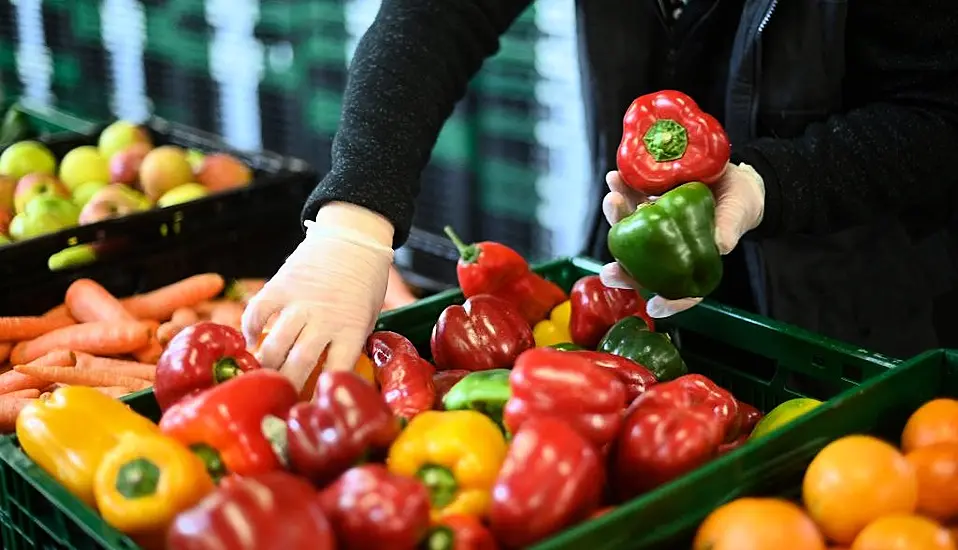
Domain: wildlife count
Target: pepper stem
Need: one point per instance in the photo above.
(441, 484)
(137, 478)
(666, 140)
(468, 252)
(440, 538)
(224, 369)
(211, 459)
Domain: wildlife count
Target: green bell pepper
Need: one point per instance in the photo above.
(484, 391)
(632, 339)
(668, 245)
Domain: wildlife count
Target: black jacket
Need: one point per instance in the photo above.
(848, 109)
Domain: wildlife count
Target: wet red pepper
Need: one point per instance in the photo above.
(238, 426)
(444, 381)
(198, 358)
(346, 422)
(494, 268)
(596, 308)
(667, 140)
(371, 509)
(460, 533)
(405, 378)
(551, 479)
(484, 333)
(634, 376)
(671, 429)
(561, 384)
(748, 417)
(272, 510)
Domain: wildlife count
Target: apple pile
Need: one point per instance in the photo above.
(123, 174)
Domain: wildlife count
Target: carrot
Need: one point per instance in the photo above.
(5, 348)
(59, 311)
(26, 394)
(181, 319)
(126, 368)
(10, 408)
(28, 328)
(203, 309)
(115, 391)
(160, 304)
(151, 352)
(229, 314)
(12, 380)
(114, 338)
(84, 377)
(89, 302)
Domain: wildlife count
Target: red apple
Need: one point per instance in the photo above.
(220, 172)
(125, 165)
(36, 185)
(113, 201)
(8, 185)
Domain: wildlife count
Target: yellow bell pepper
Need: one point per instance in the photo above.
(555, 329)
(456, 454)
(68, 434)
(145, 481)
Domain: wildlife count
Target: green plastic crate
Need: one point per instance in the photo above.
(760, 361)
(49, 121)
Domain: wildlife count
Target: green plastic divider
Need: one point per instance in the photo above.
(762, 362)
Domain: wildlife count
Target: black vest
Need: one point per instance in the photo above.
(873, 286)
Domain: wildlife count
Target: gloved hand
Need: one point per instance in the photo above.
(739, 206)
(328, 293)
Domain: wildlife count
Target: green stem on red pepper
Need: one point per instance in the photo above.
(441, 484)
(224, 369)
(440, 538)
(666, 140)
(468, 253)
(212, 459)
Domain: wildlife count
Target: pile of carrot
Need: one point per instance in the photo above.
(95, 339)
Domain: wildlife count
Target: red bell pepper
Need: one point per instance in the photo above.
(601, 512)
(548, 382)
(275, 510)
(460, 533)
(494, 268)
(405, 378)
(238, 426)
(346, 422)
(198, 358)
(634, 376)
(485, 333)
(444, 381)
(748, 417)
(371, 509)
(667, 140)
(596, 307)
(552, 478)
(673, 428)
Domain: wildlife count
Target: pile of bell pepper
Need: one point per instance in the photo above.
(670, 151)
(535, 413)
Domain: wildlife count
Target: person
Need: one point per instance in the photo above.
(843, 119)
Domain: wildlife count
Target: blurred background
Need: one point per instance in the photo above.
(511, 164)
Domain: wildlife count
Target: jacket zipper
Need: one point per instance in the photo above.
(758, 63)
(768, 15)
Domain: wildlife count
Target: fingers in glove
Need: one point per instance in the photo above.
(305, 354)
(284, 333)
(615, 207)
(344, 352)
(256, 315)
(613, 276)
(658, 307)
(632, 197)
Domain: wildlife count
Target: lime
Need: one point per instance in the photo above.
(782, 415)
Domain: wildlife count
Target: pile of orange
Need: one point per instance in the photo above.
(860, 493)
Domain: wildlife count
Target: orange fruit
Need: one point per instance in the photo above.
(854, 481)
(937, 469)
(758, 524)
(934, 422)
(903, 532)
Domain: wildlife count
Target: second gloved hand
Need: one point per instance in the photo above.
(328, 294)
(739, 206)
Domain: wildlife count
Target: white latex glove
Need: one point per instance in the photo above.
(328, 293)
(739, 206)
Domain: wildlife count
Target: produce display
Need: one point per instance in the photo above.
(859, 493)
(461, 448)
(123, 174)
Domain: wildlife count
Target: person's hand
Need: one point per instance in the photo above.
(328, 294)
(739, 205)
(397, 292)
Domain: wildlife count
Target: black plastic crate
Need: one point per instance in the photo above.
(268, 210)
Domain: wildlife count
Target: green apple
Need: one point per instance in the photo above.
(83, 193)
(4, 240)
(183, 193)
(195, 158)
(44, 214)
(82, 165)
(35, 185)
(27, 157)
(120, 135)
